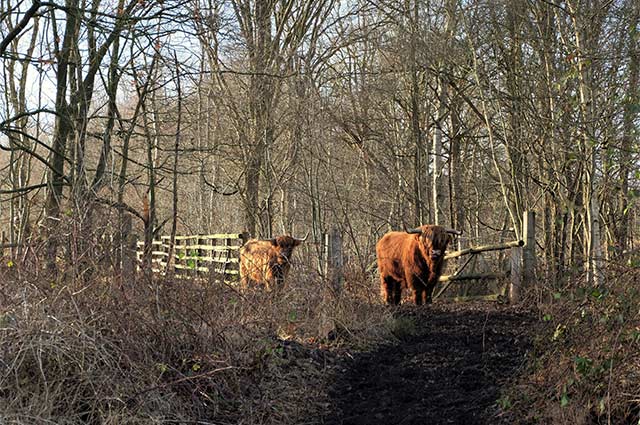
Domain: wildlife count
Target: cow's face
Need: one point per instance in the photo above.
(283, 246)
(434, 240)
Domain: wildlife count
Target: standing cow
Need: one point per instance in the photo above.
(267, 262)
(412, 259)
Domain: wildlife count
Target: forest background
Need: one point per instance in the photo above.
(149, 118)
(276, 117)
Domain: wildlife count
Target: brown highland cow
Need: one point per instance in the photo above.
(267, 262)
(412, 260)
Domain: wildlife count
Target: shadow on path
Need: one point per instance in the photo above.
(448, 372)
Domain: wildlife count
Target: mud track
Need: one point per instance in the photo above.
(448, 371)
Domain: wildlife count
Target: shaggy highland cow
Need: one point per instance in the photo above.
(267, 262)
(412, 259)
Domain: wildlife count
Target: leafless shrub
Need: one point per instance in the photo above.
(172, 350)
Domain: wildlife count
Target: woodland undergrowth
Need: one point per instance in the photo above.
(106, 351)
(586, 364)
(174, 350)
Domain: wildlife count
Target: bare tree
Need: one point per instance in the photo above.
(272, 34)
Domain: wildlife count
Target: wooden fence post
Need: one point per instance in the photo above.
(516, 275)
(529, 249)
(333, 259)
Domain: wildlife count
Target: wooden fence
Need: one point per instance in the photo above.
(196, 255)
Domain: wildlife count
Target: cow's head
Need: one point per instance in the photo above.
(283, 246)
(434, 239)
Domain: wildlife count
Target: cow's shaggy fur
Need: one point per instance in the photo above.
(266, 262)
(411, 261)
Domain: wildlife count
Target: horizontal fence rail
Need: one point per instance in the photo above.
(484, 248)
(196, 255)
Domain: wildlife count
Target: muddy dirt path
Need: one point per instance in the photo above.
(450, 371)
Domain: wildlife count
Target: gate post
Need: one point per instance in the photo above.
(333, 259)
(516, 275)
(523, 259)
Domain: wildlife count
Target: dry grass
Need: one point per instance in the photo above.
(174, 351)
(587, 366)
(194, 352)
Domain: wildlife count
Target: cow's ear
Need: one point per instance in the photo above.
(274, 242)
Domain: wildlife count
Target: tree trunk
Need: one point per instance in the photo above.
(421, 165)
(62, 129)
(622, 230)
(174, 215)
(438, 188)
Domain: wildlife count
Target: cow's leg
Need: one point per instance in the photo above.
(245, 281)
(417, 296)
(418, 293)
(397, 292)
(390, 289)
(386, 288)
(244, 276)
(428, 294)
(416, 287)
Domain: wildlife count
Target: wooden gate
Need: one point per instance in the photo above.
(462, 275)
(521, 263)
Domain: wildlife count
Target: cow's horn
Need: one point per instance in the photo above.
(415, 231)
(455, 232)
(303, 239)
